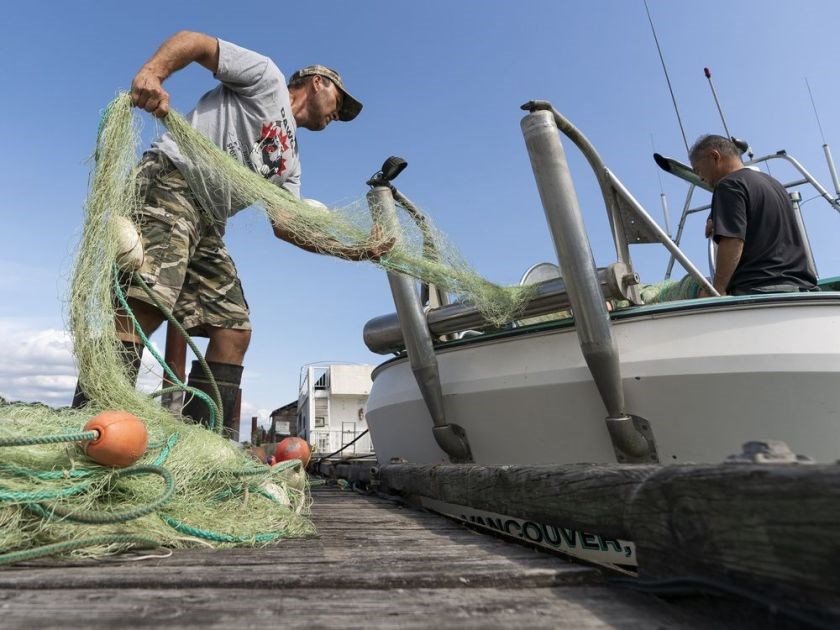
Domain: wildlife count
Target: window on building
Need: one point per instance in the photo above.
(322, 378)
(323, 443)
(320, 421)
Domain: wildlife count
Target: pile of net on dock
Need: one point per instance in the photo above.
(192, 488)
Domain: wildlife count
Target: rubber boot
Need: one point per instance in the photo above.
(131, 355)
(228, 377)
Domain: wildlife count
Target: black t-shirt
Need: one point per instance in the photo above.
(755, 208)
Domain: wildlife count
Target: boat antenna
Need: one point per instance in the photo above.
(814, 105)
(662, 198)
(832, 170)
(743, 145)
(667, 78)
(708, 74)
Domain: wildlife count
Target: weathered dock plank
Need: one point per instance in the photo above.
(584, 608)
(392, 567)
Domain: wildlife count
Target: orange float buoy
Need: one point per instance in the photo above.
(292, 448)
(122, 438)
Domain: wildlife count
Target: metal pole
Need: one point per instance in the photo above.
(832, 169)
(659, 234)
(783, 155)
(592, 321)
(795, 202)
(383, 334)
(664, 200)
(418, 340)
(680, 227)
(708, 74)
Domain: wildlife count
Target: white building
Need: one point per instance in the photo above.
(331, 407)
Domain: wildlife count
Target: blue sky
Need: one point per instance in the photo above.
(442, 83)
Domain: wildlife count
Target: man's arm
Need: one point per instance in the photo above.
(178, 51)
(728, 256)
(374, 252)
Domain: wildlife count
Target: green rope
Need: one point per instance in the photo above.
(20, 471)
(262, 470)
(212, 405)
(141, 542)
(217, 395)
(18, 496)
(215, 536)
(50, 439)
(170, 444)
(100, 518)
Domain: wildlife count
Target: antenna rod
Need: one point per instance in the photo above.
(667, 78)
(708, 74)
(826, 149)
(662, 198)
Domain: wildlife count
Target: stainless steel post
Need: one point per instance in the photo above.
(664, 201)
(831, 169)
(451, 438)
(795, 202)
(592, 322)
(680, 228)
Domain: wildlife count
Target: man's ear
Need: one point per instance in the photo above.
(715, 155)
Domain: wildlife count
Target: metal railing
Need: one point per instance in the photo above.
(329, 440)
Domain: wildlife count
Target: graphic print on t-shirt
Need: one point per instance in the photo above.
(267, 154)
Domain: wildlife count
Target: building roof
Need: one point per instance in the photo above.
(287, 407)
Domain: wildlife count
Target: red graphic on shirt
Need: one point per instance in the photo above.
(273, 142)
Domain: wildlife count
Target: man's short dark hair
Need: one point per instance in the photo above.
(710, 142)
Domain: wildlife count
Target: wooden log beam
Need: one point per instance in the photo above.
(589, 497)
(770, 529)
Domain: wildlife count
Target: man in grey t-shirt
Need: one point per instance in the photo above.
(254, 116)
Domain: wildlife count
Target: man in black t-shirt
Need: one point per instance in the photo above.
(760, 246)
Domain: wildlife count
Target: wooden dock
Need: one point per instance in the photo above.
(374, 564)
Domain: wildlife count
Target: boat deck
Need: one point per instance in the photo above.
(374, 564)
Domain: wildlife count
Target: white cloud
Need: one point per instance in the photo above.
(38, 364)
(35, 365)
(247, 411)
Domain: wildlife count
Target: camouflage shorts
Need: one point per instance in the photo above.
(186, 263)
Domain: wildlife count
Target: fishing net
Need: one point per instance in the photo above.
(192, 486)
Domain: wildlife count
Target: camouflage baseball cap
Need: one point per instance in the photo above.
(350, 107)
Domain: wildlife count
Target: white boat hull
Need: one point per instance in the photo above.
(707, 380)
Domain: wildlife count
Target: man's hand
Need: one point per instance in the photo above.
(710, 228)
(147, 93)
(381, 246)
(175, 53)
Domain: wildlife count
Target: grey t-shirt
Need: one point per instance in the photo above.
(250, 117)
